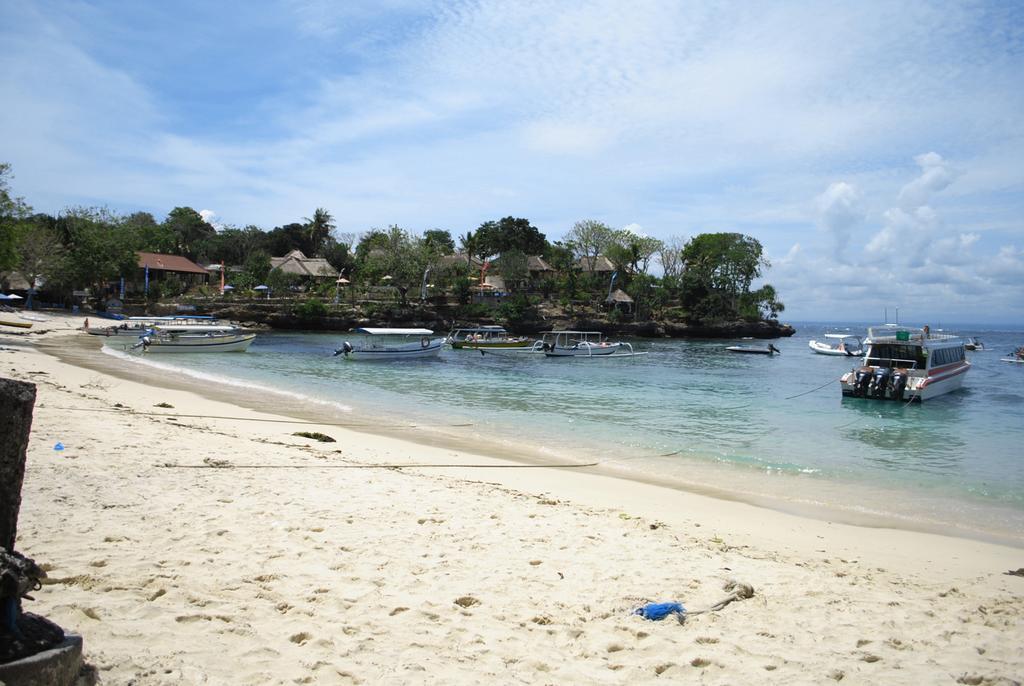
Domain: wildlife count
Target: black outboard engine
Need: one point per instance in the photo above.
(880, 383)
(345, 348)
(900, 377)
(861, 381)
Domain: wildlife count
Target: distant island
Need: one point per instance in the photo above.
(309, 275)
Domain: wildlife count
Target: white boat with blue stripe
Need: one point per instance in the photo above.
(391, 344)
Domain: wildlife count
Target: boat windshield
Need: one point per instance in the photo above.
(896, 355)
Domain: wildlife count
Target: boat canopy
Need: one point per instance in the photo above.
(396, 332)
(842, 335)
(482, 329)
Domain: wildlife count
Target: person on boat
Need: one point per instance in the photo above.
(841, 347)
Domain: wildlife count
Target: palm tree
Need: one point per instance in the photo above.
(319, 228)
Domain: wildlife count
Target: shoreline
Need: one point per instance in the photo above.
(905, 510)
(207, 550)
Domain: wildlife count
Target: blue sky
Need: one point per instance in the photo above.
(875, 149)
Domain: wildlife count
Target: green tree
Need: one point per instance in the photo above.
(13, 215)
(319, 228)
(590, 238)
(189, 230)
(514, 269)
(98, 249)
(148, 235)
(395, 254)
(720, 268)
(40, 254)
(510, 233)
(438, 242)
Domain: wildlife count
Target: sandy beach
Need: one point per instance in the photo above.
(216, 547)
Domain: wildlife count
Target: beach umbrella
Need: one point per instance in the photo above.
(12, 296)
(385, 278)
(343, 280)
(229, 288)
(261, 287)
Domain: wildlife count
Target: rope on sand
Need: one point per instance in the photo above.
(128, 411)
(219, 464)
(739, 591)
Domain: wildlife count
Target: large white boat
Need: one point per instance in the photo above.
(486, 338)
(184, 338)
(392, 344)
(905, 363)
(842, 345)
(581, 344)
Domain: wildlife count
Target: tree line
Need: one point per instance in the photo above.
(707, 277)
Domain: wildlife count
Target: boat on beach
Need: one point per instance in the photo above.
(749, 350)
(183, 338)
(392, 344)
(906, 363)
(842, 345)
(486, 338)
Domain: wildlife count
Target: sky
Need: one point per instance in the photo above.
(875, 149)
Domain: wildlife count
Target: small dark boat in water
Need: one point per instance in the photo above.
(770, 350)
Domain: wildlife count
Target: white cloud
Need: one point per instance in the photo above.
(211, 218)
(935, 177)
(840, 211)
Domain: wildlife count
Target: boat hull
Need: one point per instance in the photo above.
(584, 350)
(749, 351)
(489, 345)
(410, 351)
(919, 388)
(181, 344)
(825, 349)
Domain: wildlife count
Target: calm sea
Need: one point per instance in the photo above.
(772, 430)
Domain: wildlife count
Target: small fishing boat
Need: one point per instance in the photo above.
(184, 338)
(770, 350)
(906, 363)
(486, 338)
(1016, 356)
(581, 344)
(392, 344)
(843, 345)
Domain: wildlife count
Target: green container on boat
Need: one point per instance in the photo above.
(902, 335)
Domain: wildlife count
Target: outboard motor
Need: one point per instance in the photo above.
(880, 383)
(345, 348)
(861, 381)
(900, 377)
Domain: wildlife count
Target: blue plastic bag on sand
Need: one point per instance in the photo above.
(658, 611)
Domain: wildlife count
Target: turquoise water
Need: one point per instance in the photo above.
(690, 411)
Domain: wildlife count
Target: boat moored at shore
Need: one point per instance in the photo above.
(392, 344)
(486, 338)
(905, 363)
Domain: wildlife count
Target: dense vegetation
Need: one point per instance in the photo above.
(707, 278)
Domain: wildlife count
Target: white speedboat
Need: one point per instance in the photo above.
(581, 344)
(842, 345)
(904, 363)
(392, 344)
(486, 338)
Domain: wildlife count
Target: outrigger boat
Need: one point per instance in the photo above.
(486, 338)
(846, 345)
(138, 326)
(392, 344)
(904, 363)
(581, 344)
(188, 338)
